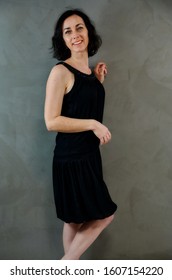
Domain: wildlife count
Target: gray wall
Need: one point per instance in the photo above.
(137, 36)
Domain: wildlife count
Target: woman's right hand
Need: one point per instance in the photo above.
(102, 132)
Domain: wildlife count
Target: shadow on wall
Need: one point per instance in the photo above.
(137, 163)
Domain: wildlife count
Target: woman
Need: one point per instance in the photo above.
(74, 108)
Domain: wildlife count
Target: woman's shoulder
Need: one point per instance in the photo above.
(58, 69)
(59, 72)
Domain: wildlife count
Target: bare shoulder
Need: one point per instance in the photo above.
(58, 72)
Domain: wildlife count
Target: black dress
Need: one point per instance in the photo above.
(80, 192)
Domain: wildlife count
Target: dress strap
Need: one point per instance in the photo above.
(69, 67)
(76, 71)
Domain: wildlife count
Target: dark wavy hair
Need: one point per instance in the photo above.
(59, 48)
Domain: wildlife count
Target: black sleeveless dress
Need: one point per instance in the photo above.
(80, 192)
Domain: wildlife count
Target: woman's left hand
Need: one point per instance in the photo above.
(100, 71)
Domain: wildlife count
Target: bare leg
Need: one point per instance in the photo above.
(69, 232)
(85, 236)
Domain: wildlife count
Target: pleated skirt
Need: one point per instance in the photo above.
(80, 192)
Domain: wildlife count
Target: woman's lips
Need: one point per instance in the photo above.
(77, 43)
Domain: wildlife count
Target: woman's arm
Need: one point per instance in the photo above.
(59, 81)
(57, 86)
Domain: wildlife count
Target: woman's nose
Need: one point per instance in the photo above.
(75, 35)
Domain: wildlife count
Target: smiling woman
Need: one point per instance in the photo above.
(75, 34)
(74, 108)
(60, 51)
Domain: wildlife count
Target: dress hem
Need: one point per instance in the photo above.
(81, 221)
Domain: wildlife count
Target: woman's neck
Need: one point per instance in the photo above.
(80, 62)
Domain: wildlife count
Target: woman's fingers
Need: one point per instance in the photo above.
(102, 132)
(103, 69)
(105, 139)
(100, 71)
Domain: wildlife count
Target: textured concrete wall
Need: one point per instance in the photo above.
(137, 40)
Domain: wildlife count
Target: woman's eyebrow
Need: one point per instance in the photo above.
(67, 28)
(80, 24)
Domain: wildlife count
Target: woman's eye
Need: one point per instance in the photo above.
(80, 28)
(68, 32)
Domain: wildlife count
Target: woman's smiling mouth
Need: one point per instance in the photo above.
(77, 43)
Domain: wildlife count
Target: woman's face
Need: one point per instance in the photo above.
(75, 34)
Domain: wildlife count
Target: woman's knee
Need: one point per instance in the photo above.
(108, 220)
(72, 226)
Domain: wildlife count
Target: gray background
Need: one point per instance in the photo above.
(137, 47)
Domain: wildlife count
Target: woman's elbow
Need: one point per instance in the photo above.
(52, 124)
(48, 125)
